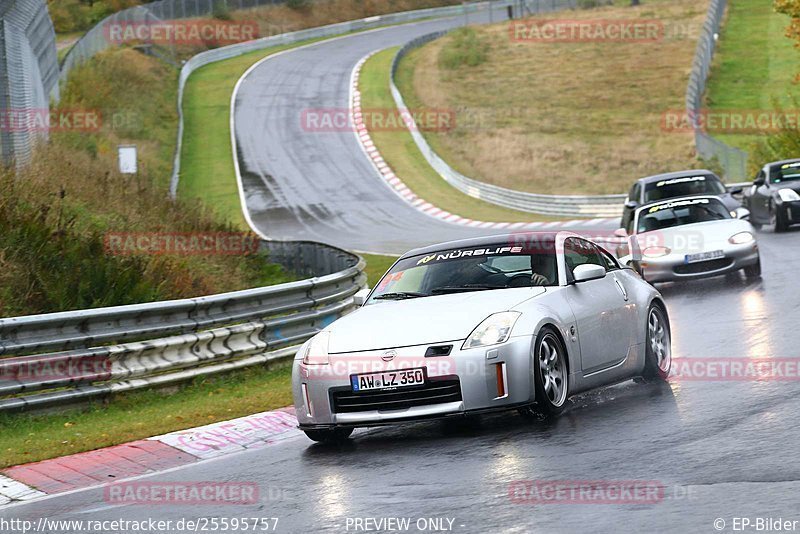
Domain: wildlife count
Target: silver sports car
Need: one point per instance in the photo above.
(513, 321)
(691, 237)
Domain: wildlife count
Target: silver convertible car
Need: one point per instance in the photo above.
(691, 237)
(520, 321)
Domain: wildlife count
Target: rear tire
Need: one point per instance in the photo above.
(550, 375)
(334, 435)
(753, 271)
(658, 349)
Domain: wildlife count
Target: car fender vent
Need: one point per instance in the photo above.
(438, 350)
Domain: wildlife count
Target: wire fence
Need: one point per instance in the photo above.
(732, 160)
(97, 39)
(28, 77)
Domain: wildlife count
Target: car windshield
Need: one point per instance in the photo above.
(786, 173)
(681, 212)
(471, 269)
(683, 187)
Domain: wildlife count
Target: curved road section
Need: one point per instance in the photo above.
(319, 185)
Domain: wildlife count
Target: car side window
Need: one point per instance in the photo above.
(608, 260)
(580, 252)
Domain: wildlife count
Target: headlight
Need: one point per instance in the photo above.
(494, 330)
(316, 352)
(734, 215)
(741, 238)
(656, 252)
(788, 195)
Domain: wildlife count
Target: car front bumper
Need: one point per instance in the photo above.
(673, 267)
(463, 382)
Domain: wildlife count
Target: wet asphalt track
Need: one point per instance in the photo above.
(721, 448)
(302, 184)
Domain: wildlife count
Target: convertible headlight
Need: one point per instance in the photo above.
(741, 238)
(494, 330)
(656, 252)
(316, 352)
(788, 195)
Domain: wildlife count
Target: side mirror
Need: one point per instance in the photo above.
(758, 182)
(361, 296)
(620, 232)
(588, 271)
(735, 190)
(631, 204)
(743, 213)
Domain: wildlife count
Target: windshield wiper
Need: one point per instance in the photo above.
(465, 287)
(400, 295)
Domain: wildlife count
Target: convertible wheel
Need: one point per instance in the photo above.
(550, 374)
(753, 271)
(329, 436)
(658, 350)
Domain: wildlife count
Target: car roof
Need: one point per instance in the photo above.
(677, 199)
(473, 242)
(677, 174)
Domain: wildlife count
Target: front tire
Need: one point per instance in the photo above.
(781, 221)
(658, 348)
(753, 271)
(334, 435)
(550, 374)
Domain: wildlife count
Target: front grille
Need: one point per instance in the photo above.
(703, 266)
(435, 391)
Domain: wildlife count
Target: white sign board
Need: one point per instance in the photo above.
(127, 159)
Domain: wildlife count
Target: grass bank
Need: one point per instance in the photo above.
(754, 67)
(560, 117)
(401, 153)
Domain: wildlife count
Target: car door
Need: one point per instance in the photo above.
(600, 308)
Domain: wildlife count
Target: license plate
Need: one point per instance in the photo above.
(388, 380)
(704, 256)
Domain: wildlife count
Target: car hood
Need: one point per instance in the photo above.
(695, 238)
(794, 184)
(420, 321)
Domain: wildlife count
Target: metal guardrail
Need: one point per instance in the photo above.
(227, 52)
(732, 160)
(168, 342)
(565, 205)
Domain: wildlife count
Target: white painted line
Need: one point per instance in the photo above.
(12, 490)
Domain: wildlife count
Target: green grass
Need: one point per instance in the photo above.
(29, 438)
(754, 65)
(376, 266)
(401, 153)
